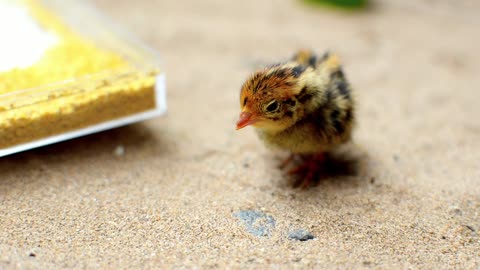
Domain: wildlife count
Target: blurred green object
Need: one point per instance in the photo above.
(344, 4)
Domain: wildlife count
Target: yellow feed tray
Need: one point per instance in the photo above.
(64, 72)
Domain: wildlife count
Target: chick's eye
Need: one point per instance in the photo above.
(272, 106)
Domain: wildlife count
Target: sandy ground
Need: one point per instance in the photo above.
(190, 191)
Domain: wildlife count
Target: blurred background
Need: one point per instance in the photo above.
(411, 59)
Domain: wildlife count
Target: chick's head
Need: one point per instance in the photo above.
(268, 99)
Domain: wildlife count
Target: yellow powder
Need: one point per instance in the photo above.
(75, 84)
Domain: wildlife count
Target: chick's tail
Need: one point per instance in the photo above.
(329, 63)
(305, 58)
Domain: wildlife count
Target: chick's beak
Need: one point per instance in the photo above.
(245, 119)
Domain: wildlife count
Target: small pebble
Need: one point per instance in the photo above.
(119, 150)
(456, 211)
(300, 235)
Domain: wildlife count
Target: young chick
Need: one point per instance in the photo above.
(304, 106)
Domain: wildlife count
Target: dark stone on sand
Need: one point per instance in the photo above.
(300, 235)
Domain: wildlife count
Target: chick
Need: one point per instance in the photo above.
(304, 106)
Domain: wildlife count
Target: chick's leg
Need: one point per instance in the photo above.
(311, 168)
(287, 161)
(300, 168)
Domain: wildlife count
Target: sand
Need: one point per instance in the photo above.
(188, 191)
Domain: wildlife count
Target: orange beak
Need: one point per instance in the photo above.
(246, 119)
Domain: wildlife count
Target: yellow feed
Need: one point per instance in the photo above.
(98, 85)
